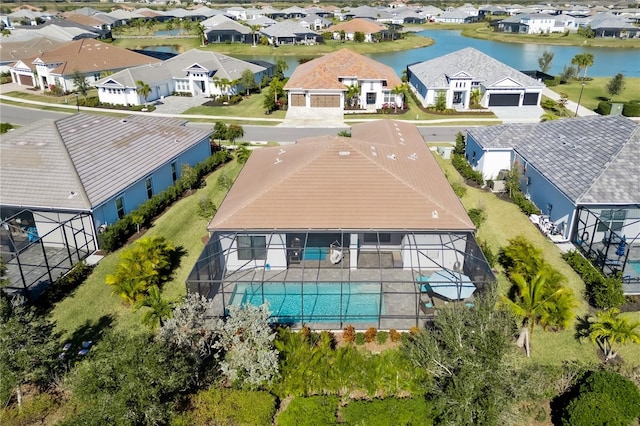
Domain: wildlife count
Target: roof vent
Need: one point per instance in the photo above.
(392, 156)
(434, 214)
(123, 120)
(413, 156)
(278, 161)
(344, 153)
(282, 151)
(72, 195)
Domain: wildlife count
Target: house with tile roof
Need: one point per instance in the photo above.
(459, 73)
(322, 83)
(357, 224)
(372, 31)
(12, 51)
(63, 180)
(196, 73)
(580, 172)
(90, 57)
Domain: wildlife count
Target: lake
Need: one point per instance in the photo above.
(607, 61)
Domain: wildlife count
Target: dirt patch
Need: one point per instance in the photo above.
(373, 347)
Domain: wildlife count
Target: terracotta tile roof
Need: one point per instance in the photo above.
(87, 55)
(358, 24)
(323, 72)
(384, 177)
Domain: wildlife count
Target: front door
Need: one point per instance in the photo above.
(457, 97)
(371, 98)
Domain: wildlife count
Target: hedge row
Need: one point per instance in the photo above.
(118, 233)
(601, 292)
(526, 206)
(629, 109)
(465, 169)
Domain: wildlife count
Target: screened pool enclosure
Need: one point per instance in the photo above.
(327, 280)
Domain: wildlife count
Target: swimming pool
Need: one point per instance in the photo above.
(635, 264)
(313, 302)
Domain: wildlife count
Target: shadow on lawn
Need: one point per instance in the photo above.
(84, 337)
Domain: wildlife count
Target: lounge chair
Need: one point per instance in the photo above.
(336, 253)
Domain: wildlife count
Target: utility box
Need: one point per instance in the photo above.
(445, 151)
(616, 108)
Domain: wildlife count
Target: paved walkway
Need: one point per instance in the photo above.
(571, 106)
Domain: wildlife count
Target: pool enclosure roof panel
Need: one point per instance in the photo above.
(383, 177)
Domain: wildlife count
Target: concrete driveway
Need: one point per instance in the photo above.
(314, 117)
(523, 114)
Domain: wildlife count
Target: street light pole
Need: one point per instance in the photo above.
(77, 104)
(579, 98)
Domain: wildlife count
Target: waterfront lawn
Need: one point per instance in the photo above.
(182, 226)
(505, 221)
(410, 41)
(572, 39)
(595, 90)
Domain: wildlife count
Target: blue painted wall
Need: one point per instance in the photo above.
(161, 179)
(471, 147)
(543, 194)
(417, 84)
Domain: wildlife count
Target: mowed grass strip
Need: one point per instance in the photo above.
(595, 90)
(505, 221)
(182, 226)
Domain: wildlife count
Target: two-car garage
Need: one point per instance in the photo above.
(512, 99)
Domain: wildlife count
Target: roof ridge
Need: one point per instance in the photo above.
(72, 166)
(609, 163)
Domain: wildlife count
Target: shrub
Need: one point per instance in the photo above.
(64, 285)
(604, 108)
(465, 169)
(370, 334)
(526, 206)
(33, 411)
(388, 411)
(5, 127)
(459, 188)
(360, 338)
(489, 254)
(477, 216)
(231, 406)
(311, 411)
(631, 109)
(349, 334)
(206, 208)
(395, 335)
(592, 409)
(382, 337)
(624, 394)
(601, 292)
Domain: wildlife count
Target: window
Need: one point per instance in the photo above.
(149, 186)
(120, 207)
(388, 97)
(252, 247)
(174, 171)
(611, 219)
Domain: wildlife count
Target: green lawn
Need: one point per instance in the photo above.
(505, 221)
(180, 225)
(595, 91)
(573, 39)
(248, 107)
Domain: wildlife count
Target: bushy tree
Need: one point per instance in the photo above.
(80, 83)
(568, 72)
(234, 132)
(467, 354)
(615, 85)
(280, 69)
(460, 144)
(28, 349)
(245, 336)
(358, 37)
(219, 131)
(129, 380)
(247, 80)
(441, 101)
(544, 61)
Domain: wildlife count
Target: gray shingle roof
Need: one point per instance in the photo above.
(287, 29)
(224, 67)
(96, 157)
(592, 160)
(480, 67)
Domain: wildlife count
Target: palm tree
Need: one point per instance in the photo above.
(143, 89)
(225, 83)
(610, 329)
(159, 308)
(200, 32)
(353, 95)
(254, 29)
(242, 154)
(475, 97)
(399, 90)
(536, 302)
(583, 61)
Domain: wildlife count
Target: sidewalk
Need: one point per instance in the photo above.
(571, 106)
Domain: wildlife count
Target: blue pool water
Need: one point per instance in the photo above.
(635, 266)
(316, 302)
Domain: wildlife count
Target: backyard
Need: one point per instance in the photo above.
(595, 90)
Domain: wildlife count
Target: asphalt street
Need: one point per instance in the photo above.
(24, 116)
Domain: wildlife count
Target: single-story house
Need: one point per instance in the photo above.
(220, 29)
(196, 72)
(372, 30)
(12, 51)
(64, 180)
(459, 73)
(92, 58)
(338, 230)
(580, 172)
(324, 81)
(290, 32)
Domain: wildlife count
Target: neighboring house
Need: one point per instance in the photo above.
(453, 17)
(12, 51)
(323, 82)
(357, 224)
(460, 73)
(372, 31)
(314, 22)
(290, 32)
(582, 173)
(196, 72)
(531, 23)
(90, 57)
(63, 180)
(220, 29)
(609, 25)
